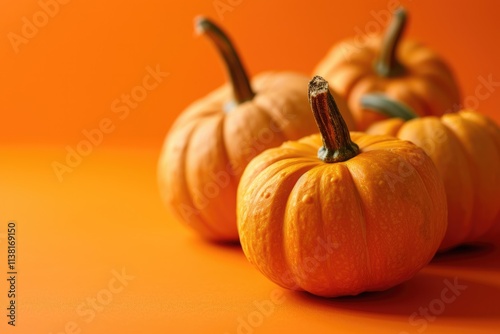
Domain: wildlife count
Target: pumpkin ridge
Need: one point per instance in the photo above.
(457, 229)
(301, 275)
(428, 61)
(261, 81)
(364, 225)
(207, 219)
(194, 114)
(474, 170)
(182, 160)
(451, 92)
(292, 153)
(289, 164)
(224, 150)
(470, 223)
(427, 107)
(319, 184)
(272, 110)
(269, 112)
(428, 192)
(285, 242)
(308, 142)
(407, 49)
(368, 270)
(354, 82)
(277, 118)
(297, 173)
(246, 135)
(357, 61)
(421, 57)
(493, 129)
(398, 91)
(374, 146)
(198, 109)
(364, 202)
(397, 152)
(419, 173)
(444, 81)
(357, 57)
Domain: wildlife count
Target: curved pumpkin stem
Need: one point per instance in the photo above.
(387, 64)
(237, 74)
(382, 104)
(337, 143)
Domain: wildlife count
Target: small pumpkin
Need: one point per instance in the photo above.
(405, 70)
(465, 147)
(362, 213)
(212, 141)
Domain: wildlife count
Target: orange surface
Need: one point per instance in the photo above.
(105, 216)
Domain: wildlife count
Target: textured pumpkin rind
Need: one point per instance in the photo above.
(484, 162)
(207, 149)
(465, 147)
(338, 229)
(494, 130)
(428, 86)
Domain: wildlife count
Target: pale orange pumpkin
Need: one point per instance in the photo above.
(362, 213)
(465, 147)
(213, 140)
(406, 71)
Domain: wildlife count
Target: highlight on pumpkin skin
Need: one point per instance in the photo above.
(236, 71)
(337, 143)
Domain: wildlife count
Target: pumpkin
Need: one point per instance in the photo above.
(212, 141)
(339, 213)
(465, 147)
(406, 71)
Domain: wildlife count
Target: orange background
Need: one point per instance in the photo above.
(106, 215)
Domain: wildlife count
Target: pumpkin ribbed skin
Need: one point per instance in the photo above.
(208, 148)
(333, 229)
(465, 147)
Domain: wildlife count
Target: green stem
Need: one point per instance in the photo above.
(387, 64)
(237, 74)
(337, 143)
(382, 104)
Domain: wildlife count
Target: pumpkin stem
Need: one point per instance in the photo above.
(382, 104)
(337, 143)
(237, 74)
(387, 64)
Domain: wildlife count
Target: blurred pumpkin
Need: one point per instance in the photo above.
(406, 71)
(212, 141)
(465, 148)
(362, 213)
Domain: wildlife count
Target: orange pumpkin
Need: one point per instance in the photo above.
(465, 148)
(212, 141)
(406, 71)
(362, 213)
